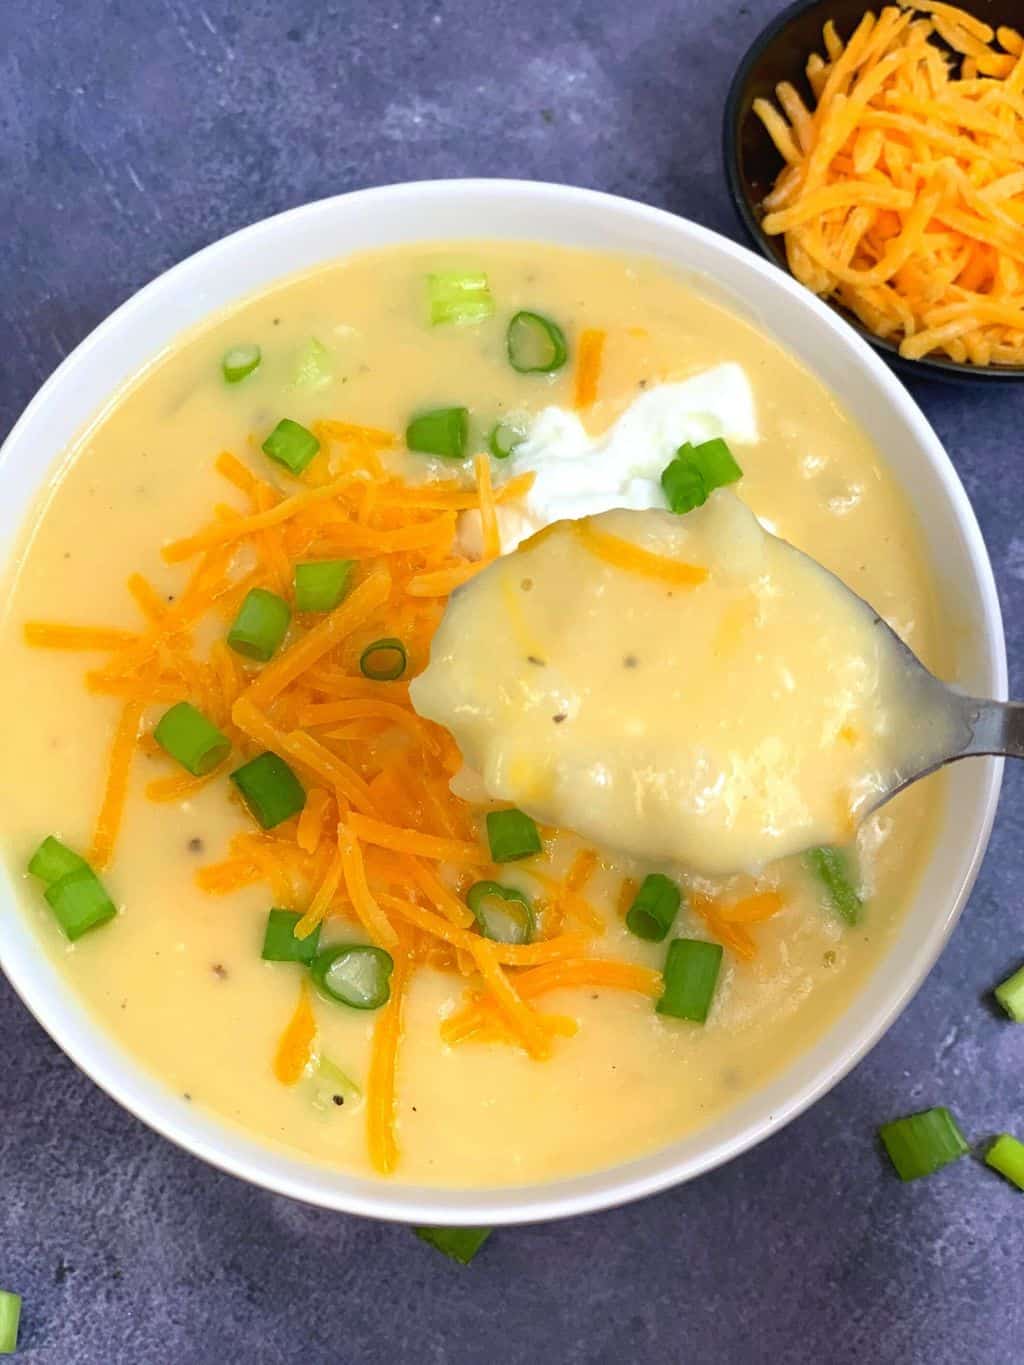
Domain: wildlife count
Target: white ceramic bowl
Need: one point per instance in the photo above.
(305, 237)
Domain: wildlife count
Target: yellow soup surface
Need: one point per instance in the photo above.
(491, 1063)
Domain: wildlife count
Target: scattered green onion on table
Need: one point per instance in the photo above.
(10, 1321)
(923, 1143)
(460, 1244)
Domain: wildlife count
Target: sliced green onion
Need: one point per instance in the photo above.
(922, 1143)
(280, 943)
(53, 860)
(80, 901)
(321, 584)
(535, 344)
(690, 975)
(1009, 993)
(696, 471)
(354, 974)
(10, 1318)
(314, 366)
(655, 907)
(260, 626)
(196, 743)
(333, 1084)
(511, 835)
(384, 660)
(239, 362)
(444, 432)
(461, 1244)
(1006, 1155)
(831, 867)
(684, 486)
(503, 913)
(292, 445)
(270, 789)
(503, 439)
(460, 296)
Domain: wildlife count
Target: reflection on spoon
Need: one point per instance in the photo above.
(690, 689)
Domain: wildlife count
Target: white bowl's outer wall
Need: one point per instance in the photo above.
(254, 258)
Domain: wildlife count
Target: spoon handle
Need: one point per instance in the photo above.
(996, 727)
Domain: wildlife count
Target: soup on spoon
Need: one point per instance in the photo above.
(683, 688)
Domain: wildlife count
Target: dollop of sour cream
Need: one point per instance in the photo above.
(579, 475)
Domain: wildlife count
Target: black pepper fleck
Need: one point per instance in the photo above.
(532, 659)
(562, 715)
(220, 971)
(630, 661)
(339, 1100)
(195, 845)
(187, 1096)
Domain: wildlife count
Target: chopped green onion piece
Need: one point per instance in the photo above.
(80, 902)
(1006, 1155)
(292, 445)
(10, 1318)
(696, 471)
(314, 366)
(461, 1244)
(239, 362)
(922, 1143)
(444, 432)
(690, 975)
(354, 974)
(511, 835)
(831, 867)
(535, 344)
(53, 860)
(270, 789)
(684, 486)
(1009, 993)
(460, 296)
(384, 660)
(260, 626)
(196, 743)
(503, 439)
(503, 913)
(321, 584)
(333, 1084)
(655, 907)
(280, 943)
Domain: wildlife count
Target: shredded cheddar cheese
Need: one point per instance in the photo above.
(901, 194)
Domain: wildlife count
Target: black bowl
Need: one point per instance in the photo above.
(752, 163)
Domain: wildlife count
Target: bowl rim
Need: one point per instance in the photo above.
(927, 367)
(215, 1140)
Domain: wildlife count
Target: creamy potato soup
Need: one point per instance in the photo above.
(280, 883)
